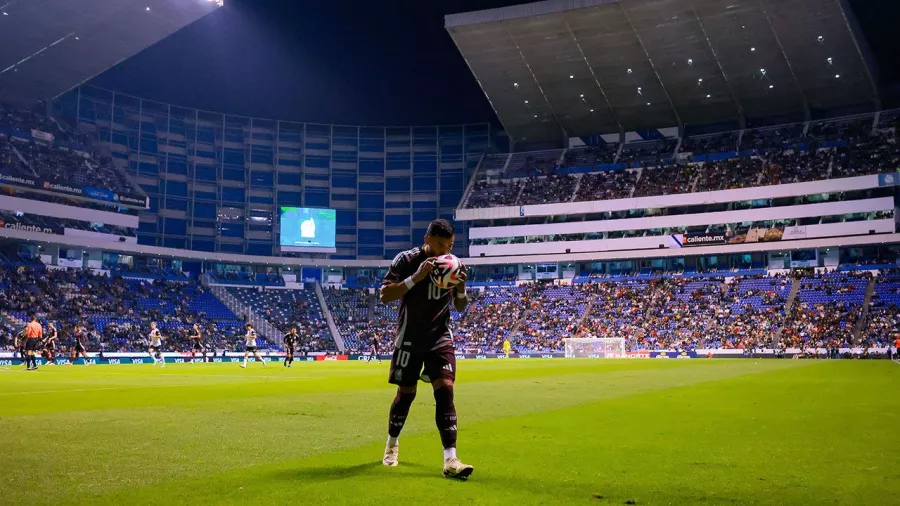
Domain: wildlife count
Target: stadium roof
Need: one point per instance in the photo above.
(581, 67)
(48, 47)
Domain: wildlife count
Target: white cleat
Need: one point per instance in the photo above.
(243, 366)
(391, 454)
(453, 468)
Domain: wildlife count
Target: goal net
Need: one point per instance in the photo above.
(595, 347)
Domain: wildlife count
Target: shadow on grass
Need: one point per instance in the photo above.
(341, 472)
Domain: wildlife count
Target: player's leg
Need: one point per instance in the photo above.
(159, 355)
(440, 370)
(246, 354)
(405, 368)
(259, 358)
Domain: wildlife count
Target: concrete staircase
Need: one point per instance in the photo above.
(864, 312)
(788, 307)
(335, 333)
(587, 311)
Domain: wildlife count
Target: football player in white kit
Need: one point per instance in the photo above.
(155, 337)
(250, 346)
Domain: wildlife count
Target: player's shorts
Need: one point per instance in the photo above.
(250, 349)
(155, 349)
(32, 344)
(408, 366)
(198, 346)
(79, 348)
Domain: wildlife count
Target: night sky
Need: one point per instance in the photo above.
(352, 62)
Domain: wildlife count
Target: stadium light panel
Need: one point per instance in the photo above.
(628, 71)
(752, 49)
(837, 76)
(148, 8)
(708, 95)
(571, 76)
(830, 61)
(526, 101)
(771, 86)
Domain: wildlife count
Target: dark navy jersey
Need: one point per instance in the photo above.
(424, 316)
(290, 339)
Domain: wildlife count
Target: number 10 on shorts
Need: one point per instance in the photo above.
(403, 358)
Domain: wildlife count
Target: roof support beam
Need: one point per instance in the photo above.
(856, 35)
(737, 103)
(787, 60)
(594, 76)
(536, 81)
(652, 65)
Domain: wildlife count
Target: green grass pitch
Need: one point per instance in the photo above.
(537, 431)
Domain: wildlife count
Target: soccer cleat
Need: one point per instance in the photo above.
(243, 366)
(391, 454)
(453, 468)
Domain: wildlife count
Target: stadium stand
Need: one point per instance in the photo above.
(116, 310)
(782, 154)
(37, 147)
(289, 308)
(883, 318)
(827, 307)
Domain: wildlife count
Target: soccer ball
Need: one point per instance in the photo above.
(446, 271)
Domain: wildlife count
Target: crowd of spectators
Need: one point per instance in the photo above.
(67, 159)
(684, 312)
(761, 157)
(115, 310)
(827, 307)
(883, 319)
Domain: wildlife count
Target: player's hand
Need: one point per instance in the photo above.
(463, 277)
(424, 270)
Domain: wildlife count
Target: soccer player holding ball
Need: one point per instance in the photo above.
(426, 280)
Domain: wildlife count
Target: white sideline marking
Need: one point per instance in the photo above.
(5, 394)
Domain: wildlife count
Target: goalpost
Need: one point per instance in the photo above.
(595, 347)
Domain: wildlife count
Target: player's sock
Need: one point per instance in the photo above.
(399, 412)
(445, 416)
(393, 441)
(450, 453)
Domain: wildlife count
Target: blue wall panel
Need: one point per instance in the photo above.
(350, 163)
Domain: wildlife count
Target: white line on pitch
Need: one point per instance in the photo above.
(144, 386)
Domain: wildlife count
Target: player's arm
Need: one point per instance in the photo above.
(395, 285)
(460, 299)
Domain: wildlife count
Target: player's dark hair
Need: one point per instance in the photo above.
(441, 228)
